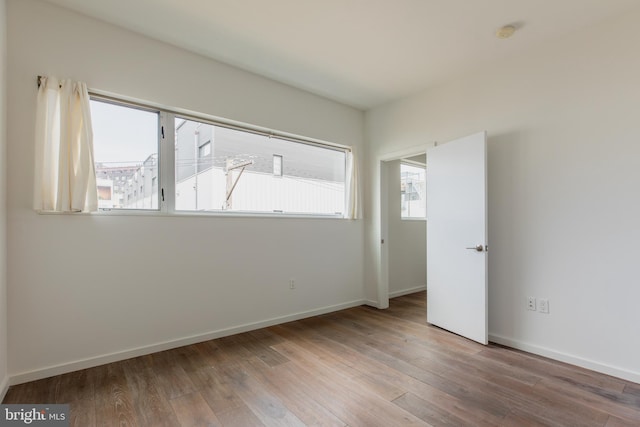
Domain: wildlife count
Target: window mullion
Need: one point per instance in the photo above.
(167, 154)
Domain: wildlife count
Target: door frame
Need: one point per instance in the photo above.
(383, 212)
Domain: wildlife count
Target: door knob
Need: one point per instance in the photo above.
(478, 248)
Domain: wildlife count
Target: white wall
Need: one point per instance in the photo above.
(407, 242)
(85, 287)
(4, 378)
(563, 150)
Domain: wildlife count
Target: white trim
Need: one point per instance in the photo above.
(4, 387)
(203, 214)
(76, 365)
(407, 292)
(372, 303)
(382, 226)
(416, 150)
(383, 260)
(567, 358)
(414, 163)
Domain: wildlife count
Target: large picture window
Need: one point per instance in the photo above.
(211, 167)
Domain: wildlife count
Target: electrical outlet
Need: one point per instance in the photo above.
(292, 284)
(543, 305)
(531, 303)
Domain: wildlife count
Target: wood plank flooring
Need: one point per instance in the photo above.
(357, 367)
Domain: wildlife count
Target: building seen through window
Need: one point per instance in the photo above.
(413, 187)
(244, 172)
(125, 141)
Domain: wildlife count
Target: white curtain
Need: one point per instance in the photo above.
(65, 179)
(352, 184)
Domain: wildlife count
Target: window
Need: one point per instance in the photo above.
(214, 167)
(412, 191)
(125, 146)
(240, 174)
(204, 150)
(277, 165)
(105, 193)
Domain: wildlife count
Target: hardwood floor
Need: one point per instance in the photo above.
(357, 367)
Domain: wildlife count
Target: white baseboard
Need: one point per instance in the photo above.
(64, 368)
(4, 387)
(376, 304)
(372, 303)
(407, 291)
(567, 358)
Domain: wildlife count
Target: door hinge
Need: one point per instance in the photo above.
(162, 193)
(162, 131)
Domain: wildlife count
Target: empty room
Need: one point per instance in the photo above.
(346, 213)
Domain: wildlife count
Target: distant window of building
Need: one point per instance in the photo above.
(104, 192)
(125, 140)
(413, 203)
(277, 165)
(205, 149)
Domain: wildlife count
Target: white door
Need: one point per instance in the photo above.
(457, 237)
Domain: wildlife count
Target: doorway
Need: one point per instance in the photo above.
(398, 275)
(456, 237)
(407, 227)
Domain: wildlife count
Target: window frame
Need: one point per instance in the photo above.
(166, 161)
(159, 137)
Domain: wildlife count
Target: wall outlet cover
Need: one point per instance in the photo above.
(543, 305)
(531, 303)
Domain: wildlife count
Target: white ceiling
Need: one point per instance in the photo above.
(359, 52)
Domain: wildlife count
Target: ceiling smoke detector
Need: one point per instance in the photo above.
(505, 32)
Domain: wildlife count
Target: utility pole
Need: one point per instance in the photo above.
(231, 183)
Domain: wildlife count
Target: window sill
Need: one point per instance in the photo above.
(187, 214)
